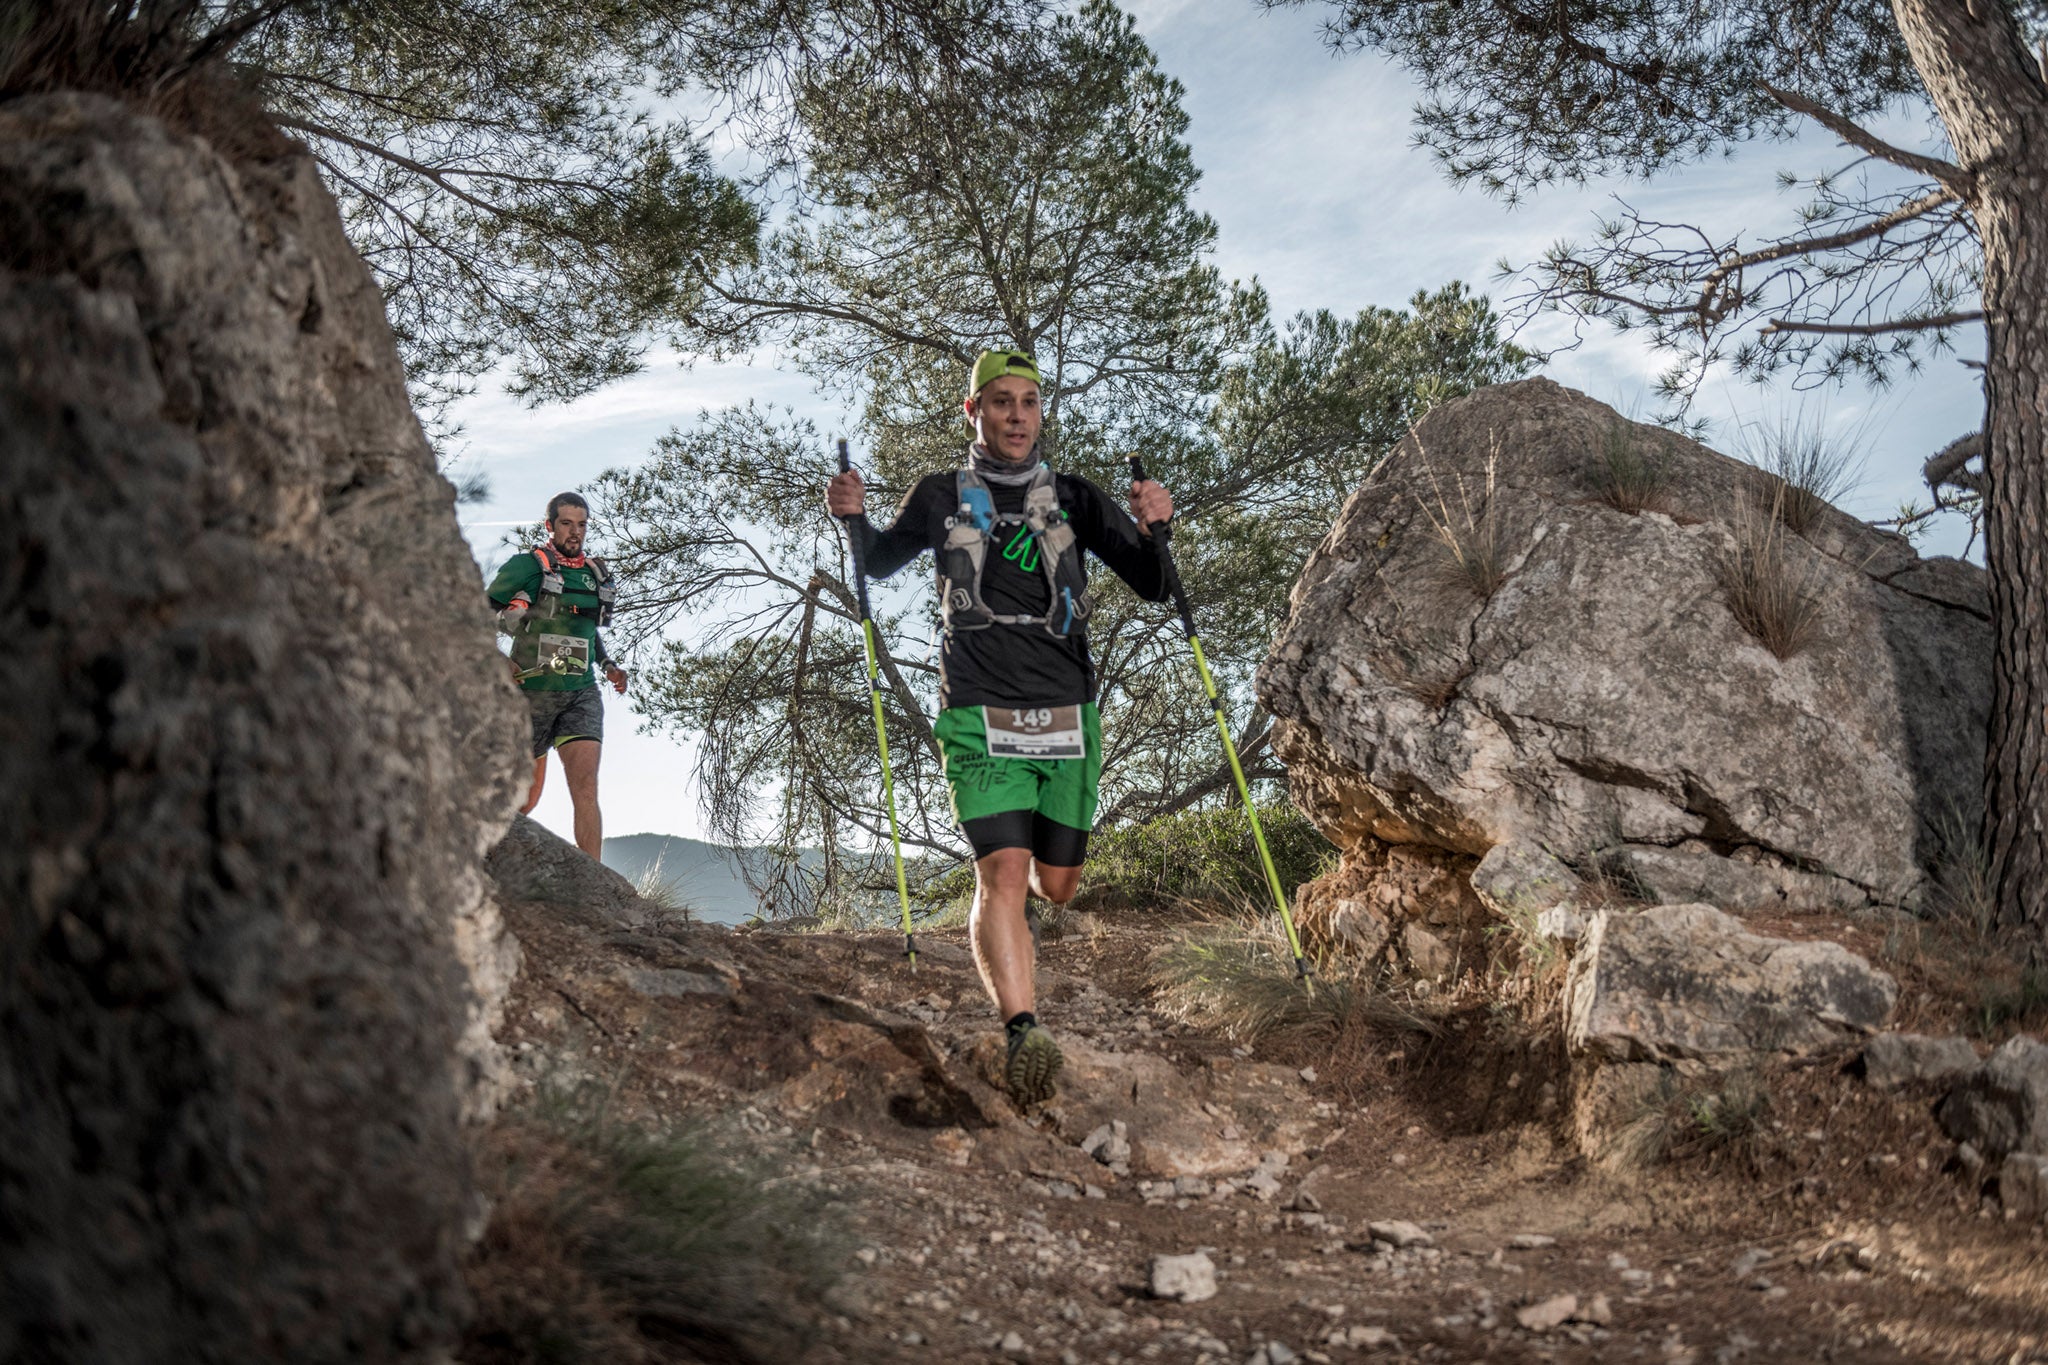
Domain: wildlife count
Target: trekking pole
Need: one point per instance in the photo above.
(867, 635)
(1161, 532)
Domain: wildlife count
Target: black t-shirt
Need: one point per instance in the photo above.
(1007, 665)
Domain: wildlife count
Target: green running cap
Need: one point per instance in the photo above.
(995, 364)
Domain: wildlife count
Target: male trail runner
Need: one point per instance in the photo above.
(1017, 727)
(551, 600)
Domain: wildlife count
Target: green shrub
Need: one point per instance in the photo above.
(1203, 855)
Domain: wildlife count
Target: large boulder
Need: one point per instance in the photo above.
(1595, 696)
(256, 745)
(2001, 1107)
(1688, 983)
(534, 863)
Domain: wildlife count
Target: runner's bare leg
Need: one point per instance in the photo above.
(579, 767)
(1002, 941)
(540, 780)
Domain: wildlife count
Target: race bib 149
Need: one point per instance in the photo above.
(1034, 731)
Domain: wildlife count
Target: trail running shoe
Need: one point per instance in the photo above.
(1034, 1066)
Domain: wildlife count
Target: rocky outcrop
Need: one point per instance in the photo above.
(2001, 1107)
(1688, 983)
(1485, 649)
(533, 863)
(1892, 1060)
(257, 745)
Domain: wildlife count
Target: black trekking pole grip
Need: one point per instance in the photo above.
(1161, 534)
(853, 541)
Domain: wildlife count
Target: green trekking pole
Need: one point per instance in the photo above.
(1161, 532)
(867, 635)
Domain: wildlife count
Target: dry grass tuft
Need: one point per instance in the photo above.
(610, 1243)
(1965, 895)
(1807, 468)
(668, 903)
(167, 57)
(1773, 584)
(1235, 976)
(1630, 473)
(1434, 687)
(1722, 1117)
(1960, 955)
(1539, 961)
(1468, 533)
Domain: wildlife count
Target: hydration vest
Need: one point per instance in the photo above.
(544, 642)
(1041, 538)
(551, 602)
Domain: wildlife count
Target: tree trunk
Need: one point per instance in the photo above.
(1989, 93)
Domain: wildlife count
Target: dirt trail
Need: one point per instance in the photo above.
(984, 1235)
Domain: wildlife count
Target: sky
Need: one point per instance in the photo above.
(1309, 172)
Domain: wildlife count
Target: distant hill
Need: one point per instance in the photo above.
(705, 877)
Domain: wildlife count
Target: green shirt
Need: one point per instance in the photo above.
(563, 626)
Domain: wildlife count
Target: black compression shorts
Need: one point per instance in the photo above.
(1050, 842)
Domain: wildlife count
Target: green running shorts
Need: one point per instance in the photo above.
(1062, 790)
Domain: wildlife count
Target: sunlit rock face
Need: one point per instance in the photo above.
(256, 744)
(1486, 649)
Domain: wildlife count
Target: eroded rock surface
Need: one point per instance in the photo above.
(534, 863)
(1895, 1059)
(1688, 983)
(2002, 1106)
(1603, 696)
(257, 742)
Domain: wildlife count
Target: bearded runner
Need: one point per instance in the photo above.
(551, 600)
(1018, 729)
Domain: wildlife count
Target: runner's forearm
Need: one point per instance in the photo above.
(884, 552)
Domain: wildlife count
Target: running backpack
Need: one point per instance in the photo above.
(1040, 539)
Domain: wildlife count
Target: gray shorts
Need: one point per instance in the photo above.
(559, 717)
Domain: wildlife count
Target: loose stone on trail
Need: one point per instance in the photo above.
(1400, 1234)
(1189, 1279)
(1554, 1311)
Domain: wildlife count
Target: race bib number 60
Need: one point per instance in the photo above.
(565, 653)
(1034, 731)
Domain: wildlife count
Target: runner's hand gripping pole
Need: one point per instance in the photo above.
(1161, 533)
(867, 634)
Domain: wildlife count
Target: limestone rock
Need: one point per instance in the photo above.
(532, 862)
(1360, 928)
(1400, 1233)
(1604, 695)
(1555, 1311)
(2002, 1106)
(1161, 1108)
(1891, 1060)
(1520, 876)
(1679, 876)
(1189, 1279)
(258, 743)
(1109, 1144)
(2023, 1185)
(1429, 955)
(1688, 982)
